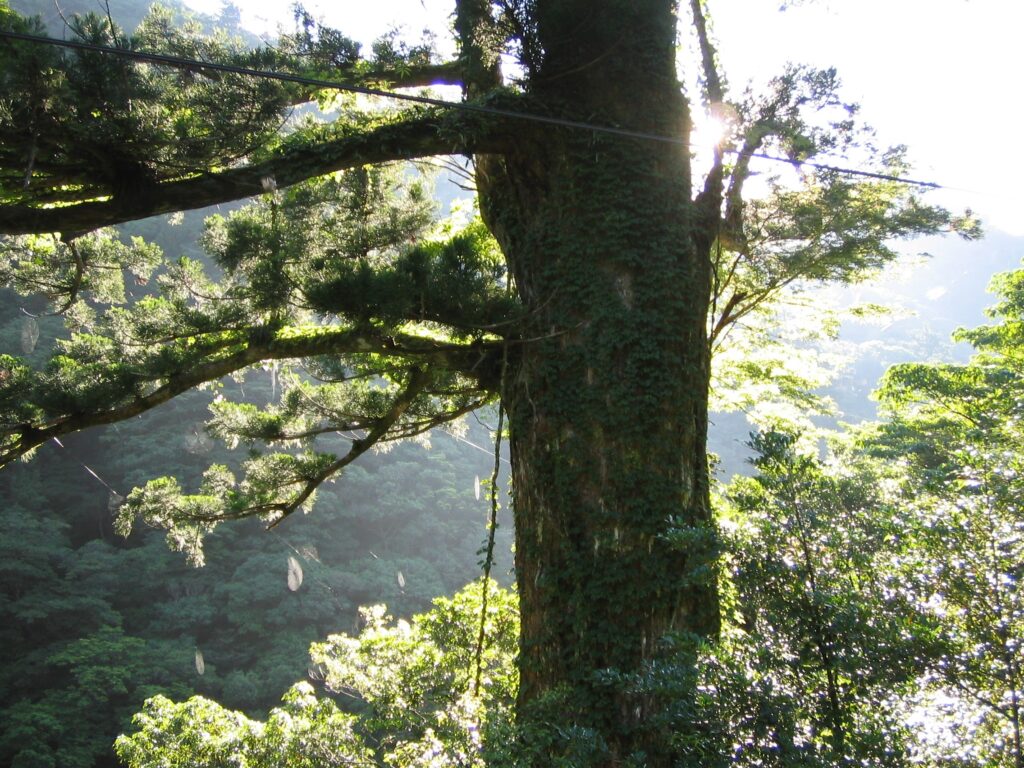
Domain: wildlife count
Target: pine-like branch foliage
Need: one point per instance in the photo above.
(85, 125)
(371, 316)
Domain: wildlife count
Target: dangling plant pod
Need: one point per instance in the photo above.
(294, 574)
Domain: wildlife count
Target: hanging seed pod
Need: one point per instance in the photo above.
(294, 574)
(29, 334)
(200, 664)
(114, 502)
(198, 443)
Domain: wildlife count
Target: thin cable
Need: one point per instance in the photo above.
(183, 63)
(90, 470)
(840, 169)
(191, 64)
(459, 439)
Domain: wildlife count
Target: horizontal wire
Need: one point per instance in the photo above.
(192, 64)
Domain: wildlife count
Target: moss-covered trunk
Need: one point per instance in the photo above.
(607, 397)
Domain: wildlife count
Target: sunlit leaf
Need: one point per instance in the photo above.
(29, 334)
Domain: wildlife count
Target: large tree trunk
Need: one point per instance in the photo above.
(607, 397)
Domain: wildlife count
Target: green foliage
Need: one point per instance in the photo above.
(376, 328)
(955, 431)
(760, 696)
(284, 245)
(323, 49)
(825, 640)
(337, 246)
(76, 675)
(810, 226)
(875, 597)
(415, 679)
(303, 732)
(91, 266)
(138, 125)
(1003, 341)
(409, 684)
(776, 379)
(68, 580)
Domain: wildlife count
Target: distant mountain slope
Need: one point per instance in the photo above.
(930, 297)
(126, 13)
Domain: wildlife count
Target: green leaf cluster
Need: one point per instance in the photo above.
(408, 685)
(79, 125)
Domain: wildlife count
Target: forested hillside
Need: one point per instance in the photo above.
(98, 623)
(93, 623)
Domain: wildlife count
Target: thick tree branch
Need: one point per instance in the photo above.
(729, 315)
(478, 50)
(446, 73)
(422, 135)
(711, 197)
(733, 229)
(418, 381)
(422, 76)
(742, 303)
(408, 429)
(708, 55)
(287, 343)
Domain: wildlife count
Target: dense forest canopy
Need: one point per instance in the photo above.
(585, 305)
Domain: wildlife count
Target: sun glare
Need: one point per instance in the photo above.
(709, 131)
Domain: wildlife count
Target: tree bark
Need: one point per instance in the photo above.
(608, 398)
(417, 136)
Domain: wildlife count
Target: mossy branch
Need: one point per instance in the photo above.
(243, 351)
(418, 381)
(422, 134)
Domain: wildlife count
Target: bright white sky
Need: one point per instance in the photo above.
(942, 76)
